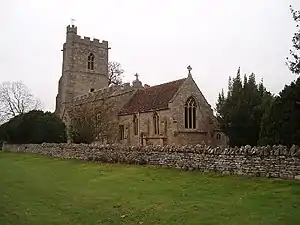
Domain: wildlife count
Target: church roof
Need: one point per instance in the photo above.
(152, 98)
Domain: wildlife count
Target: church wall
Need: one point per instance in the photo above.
(111, 100)
(191, 138)
(78, 56)
(86, 82)
(146, 128)
(113, 106)
(204, 130)
(81, 79)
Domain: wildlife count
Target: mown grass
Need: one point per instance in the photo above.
(40, 190)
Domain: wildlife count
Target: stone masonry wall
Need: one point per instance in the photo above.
(205, 131)
(276, 161)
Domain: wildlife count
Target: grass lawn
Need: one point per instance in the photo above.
(40, 190)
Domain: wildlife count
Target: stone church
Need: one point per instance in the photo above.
(170, 113)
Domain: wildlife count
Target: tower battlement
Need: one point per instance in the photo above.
(72, 29)
(72, 36)
(89, 41)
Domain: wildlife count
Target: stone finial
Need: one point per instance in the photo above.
(189, 69)
(137, 83)
(136, 76)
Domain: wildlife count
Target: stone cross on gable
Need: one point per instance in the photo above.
(136, 76)
(189, 69)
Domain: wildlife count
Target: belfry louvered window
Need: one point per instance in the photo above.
(91, 59)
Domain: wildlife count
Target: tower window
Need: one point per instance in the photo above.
(218, 136)
(91, 59)
(156, 123)
(190, 113)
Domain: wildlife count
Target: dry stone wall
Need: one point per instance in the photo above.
(276, 161)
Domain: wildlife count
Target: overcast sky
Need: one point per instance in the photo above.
(156, 38)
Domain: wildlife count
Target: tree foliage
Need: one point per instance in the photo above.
(91, 122)
(16, 99)
(250, 115)
(281, 123)
(115, 72)
(294, 62)
(241, 111)
(83, 124)
(33, 127)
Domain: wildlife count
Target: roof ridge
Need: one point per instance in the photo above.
(165, 83)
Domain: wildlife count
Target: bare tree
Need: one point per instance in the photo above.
(82, 128)
(91, 122)
(16, 99)
(115, 72)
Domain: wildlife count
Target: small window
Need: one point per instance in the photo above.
(121, 128)
(135, 125)
(92, 90)
(156, 123)
(218, 137)
(190, 114)
(91, 59)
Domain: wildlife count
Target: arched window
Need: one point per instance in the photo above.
(121, 129)
(190, 113)
(135, 125)
(218, 137)
(91, 59)
(156, 123)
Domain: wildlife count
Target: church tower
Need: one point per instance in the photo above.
(84, 68)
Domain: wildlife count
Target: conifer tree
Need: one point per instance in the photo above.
(241, 111)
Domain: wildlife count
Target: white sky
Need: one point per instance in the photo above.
(156, 38)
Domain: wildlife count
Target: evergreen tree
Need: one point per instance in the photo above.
(281, 123)
(33, 127)
(241, 111)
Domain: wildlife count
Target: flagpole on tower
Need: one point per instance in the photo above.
(73, 21)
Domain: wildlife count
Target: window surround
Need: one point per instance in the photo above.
(190, 113)
(91, 61)
(156, 123)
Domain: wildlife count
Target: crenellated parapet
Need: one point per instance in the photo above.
(89, 41)
(74, 37)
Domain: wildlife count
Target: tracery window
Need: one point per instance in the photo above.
(190, 113)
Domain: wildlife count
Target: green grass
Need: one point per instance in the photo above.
(40, 190)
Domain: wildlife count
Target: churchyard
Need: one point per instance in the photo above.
(37, 189)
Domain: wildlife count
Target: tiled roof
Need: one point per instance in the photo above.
(152, 98)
